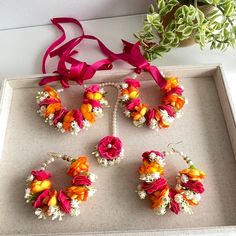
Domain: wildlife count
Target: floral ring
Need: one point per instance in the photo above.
(51, 108)
(154, 118)
(48, 202)
(186, 193)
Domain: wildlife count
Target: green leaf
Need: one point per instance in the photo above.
(149, 18)
(151, 9)
(187, 31)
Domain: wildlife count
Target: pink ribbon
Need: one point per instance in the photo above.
(80, 71)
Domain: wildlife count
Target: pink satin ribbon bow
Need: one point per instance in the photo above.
(80, 71)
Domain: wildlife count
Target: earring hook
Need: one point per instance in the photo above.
(172, 145)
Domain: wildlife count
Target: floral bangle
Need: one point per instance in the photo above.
(51, 108)
(49, 202)
(154, 118)
(186, 193)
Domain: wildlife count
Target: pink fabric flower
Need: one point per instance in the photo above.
(39, 200)
(150, 115)
(157, 185)
(177, 90)
(170, 110)
(92, 89)
(195, 186)
(59, 115)
(146, 154)
(78, 118)
(132, 104)
(110, 147)
(47, 101)
(64, 202)
(94, 103)
(174, 206)
(81, 180)
(41, 174)
(132, 82)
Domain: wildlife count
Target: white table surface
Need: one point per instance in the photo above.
(21, 49)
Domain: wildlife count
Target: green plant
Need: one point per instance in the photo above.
(216, 26)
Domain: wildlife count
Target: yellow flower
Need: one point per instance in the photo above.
(78, 193)
(94, 96)
(141, 110)
(132, 92)
(171, 82)
(39, 186)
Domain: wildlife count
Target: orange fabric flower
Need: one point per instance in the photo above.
(131, 91)
(141, 110)
(39, 186)
(68, 118)
(157, 197)
(86, 110)
(77, 192)
(150, 167)
(193, 173)
(80, 165)
(94, 96)
(51, 200)
(52, 92)
(171, 82)
(52, 108)
(174, 100)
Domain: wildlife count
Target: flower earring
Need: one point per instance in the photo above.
(49, 202)
(187, 191)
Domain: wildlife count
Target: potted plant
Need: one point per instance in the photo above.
(174, 23)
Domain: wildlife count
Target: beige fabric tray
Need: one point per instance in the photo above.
(116, 207)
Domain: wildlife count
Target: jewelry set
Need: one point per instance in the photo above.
(109, 151)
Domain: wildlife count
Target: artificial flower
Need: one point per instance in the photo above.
(140, 111)
(78, 193)
(47, 102)
(177, 90)
(158, 196)
(132, 83)
(132, 92)
(195, 186)
(154, 186)
(146, 154)
(64, 202)
(110, 147)
(78, 118)
(41, 174)
(88, 115)
(39, 200)
(94, 103)
(59, 115)
(81, 180)
(52, 92)
(174, 206)
(52, 199)
(169, 109)
(52, 108)
(80, 165)
(171, 82)
(39, 186)
(94, 96)
(68, 118)
(150, 168)
(193, 173)
(132, 104)
(174, 100)
(151, 113)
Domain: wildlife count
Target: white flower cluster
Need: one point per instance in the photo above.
(98, 111)
(161, 210)
(28, 195)
(105, 162)
(140, 122)
(165, 117)
(153, 157)
(153, 124)
(41, 96)
(183, 204)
